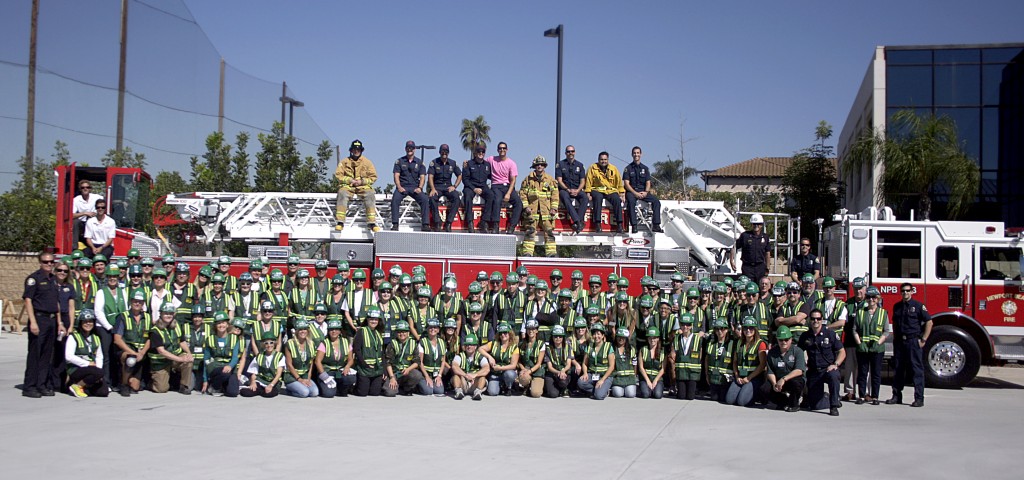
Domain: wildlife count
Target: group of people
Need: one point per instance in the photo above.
(140, 323)
(492, 180)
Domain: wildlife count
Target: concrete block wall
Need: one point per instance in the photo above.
(14, 267)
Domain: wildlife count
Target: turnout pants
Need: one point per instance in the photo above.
(369, 203)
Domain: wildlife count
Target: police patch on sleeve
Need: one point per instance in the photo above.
(31, 281)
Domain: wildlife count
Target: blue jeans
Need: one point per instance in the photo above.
(646, 392)
(297, 389)
(496, 382)
(628, 391)
(590, 387)
(743, 395)
(431, 390)
(499, 202)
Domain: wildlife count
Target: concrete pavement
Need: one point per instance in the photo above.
(970, 432)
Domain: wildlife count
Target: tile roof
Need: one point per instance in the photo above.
(756, 167)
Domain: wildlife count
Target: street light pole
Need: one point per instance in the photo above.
(292, 103)
(558, 32)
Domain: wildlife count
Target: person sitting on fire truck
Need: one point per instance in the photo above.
(356, 176)
(539, 193)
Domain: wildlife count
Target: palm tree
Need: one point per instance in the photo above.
(918, 156)
(474, 133)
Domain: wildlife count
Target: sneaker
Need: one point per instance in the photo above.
(459, 395)
(78, 391)
(833, 412)
(439, 395)
(31, 393)
(476, 395)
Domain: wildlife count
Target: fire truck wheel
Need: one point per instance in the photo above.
(952, 358)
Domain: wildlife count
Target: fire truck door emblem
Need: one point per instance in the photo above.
(1009, 307)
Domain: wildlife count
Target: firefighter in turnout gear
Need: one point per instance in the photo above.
(356, 176)
(539, 192)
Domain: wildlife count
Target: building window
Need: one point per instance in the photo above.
(908, 86)
(957, 85)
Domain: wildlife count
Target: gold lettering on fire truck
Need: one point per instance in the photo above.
(1009, 305)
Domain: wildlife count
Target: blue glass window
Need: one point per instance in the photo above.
(990, 138)
(908, 86)
(957, 84)
(968, 128)
(908, 57)
(958, 55)
(1000, 55)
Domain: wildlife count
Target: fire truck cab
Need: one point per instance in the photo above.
(967, 274)
(127, 193)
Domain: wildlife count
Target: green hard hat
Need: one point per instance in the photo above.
(198, 310)
(135, 270)
(646, 301)
(267, 306)
(828, 282)
(471, 340)
(419, 278)
(320, 308)
(334, 324)
(206, 271)
(113, 271)
(77, 255)
(727, 281)
(565, 293)
(743, 279)
(678, 277)
(556, 273)
(592, 310)
(220, 317)
(238, 322)
(320, 264)
(541, 285)
(752, 289)
(686, 318)
(138, 295)
(522, 270)
(653, 332)
(377, 273)
(433, 323)
(168, 308)
(419, 270)
(705, 287)
(720, 288)
(157, 272)
(719, 323)
(147, 261)
(373, 311)
(451, 323)
(594, 279)
(504, 327)
(612, 278)
(405, 279)
(475, 287)
(748, 321)
(401, 326)
(395, 270)
(293, 259)
(359, 274)
(623, 282)
(475, 307)
(872, 291)
(597, 327)
(621, 297)
(343, 266)
(85, 262)
(86, 315)
(337, 279)
(577, 275)
(385, 286)
(512, 277)
(423, 292)
(256, 265)
(807, 278)
(496, 276)
(858, 282)
(783, 333)
(302, 273)
(134, 252)
(692, 293)
(579, 323)
(218, 278)
(224, 260)
(99, 258)
(622, 332)
(122, 263)
(558, 331)
(531, 280)
(167, 258)
(532, 324)
(301, 324)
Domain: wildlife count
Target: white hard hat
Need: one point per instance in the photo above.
(756, 218)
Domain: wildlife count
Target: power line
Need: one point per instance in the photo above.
(103, 135)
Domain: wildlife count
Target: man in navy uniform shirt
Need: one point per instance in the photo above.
(477, 174)
(440, 184)
(637, 179)
(911, 325)
(41, 304)
(409, 177)
(571, 176)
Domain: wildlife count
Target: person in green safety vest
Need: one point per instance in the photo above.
(241, 330)
(368, 348)
(265, 371)
(718, 359)
(111, 301)
(532, 351)
(195, 334)
(318, 327)
(131, 336)
(269, 326)
(594, 297)
(221, 353)
(651, 365)
(83, 354)
(579, 342)
(624, 378)
(334, 361)
(420, 312)
(433, 358)
(453, 343)
(622, 315)
(502, 355)
(785, 375)
(598, 365)
(469, 370)
(401, 363)
(357, 300)
(645, 320)
(686, 357)
(169, 354)
(749, 362)
(302, 298)
(795, 311)
(560, 363)
(869, 334)
(299, 354)
(224, 268)
(854, 308)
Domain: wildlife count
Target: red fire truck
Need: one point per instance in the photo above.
(967, 274)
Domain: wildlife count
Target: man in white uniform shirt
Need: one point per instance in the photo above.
(100, 231)
(83, 208)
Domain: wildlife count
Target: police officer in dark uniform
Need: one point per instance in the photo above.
(439, 183)
(477, 174)
(41, 304)
(911, 325)
(637, 179)
(409, 175)
(571, 176)
(754, 248)
(804, 262)
(824, 356)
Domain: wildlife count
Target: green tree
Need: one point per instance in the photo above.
(277, 162)
(312, 175)
(30, 206)
(240, 165)
(474, 133)
(212, 174)
(810, 181)
(124, 158)
(920, 156)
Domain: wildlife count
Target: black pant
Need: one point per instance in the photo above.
(554, 386)
(225, 382)
(790, 394)
(454, 201)
(396, 203)
(58, 368)
(110, 351)
(686, 389)
(40, 353)
(718, 392)
(614, 203)
(578, 211)
(872, 361)
(260, 391)
(651, 200)
(514, 201)
(754, 271)
(368, 386)
(468, 195)
(816, 381)
(92, 379)
(909, 359)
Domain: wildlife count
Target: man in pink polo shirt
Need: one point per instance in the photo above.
(503, 185)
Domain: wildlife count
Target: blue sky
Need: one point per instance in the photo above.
(744, 78)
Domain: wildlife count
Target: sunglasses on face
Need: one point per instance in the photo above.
(47, 262)
(63, 270)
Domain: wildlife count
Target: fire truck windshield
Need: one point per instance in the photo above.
(129, 201)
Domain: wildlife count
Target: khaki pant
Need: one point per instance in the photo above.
(162, 377)
(534, 386)
(369, 202)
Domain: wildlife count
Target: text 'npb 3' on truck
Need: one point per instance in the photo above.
(967, 274)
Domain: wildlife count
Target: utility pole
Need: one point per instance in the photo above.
(220, 101)
(284, 94)
(120, 76)
(30, 116)
(559, 33)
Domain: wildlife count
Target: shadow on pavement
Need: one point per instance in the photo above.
(993, 383)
